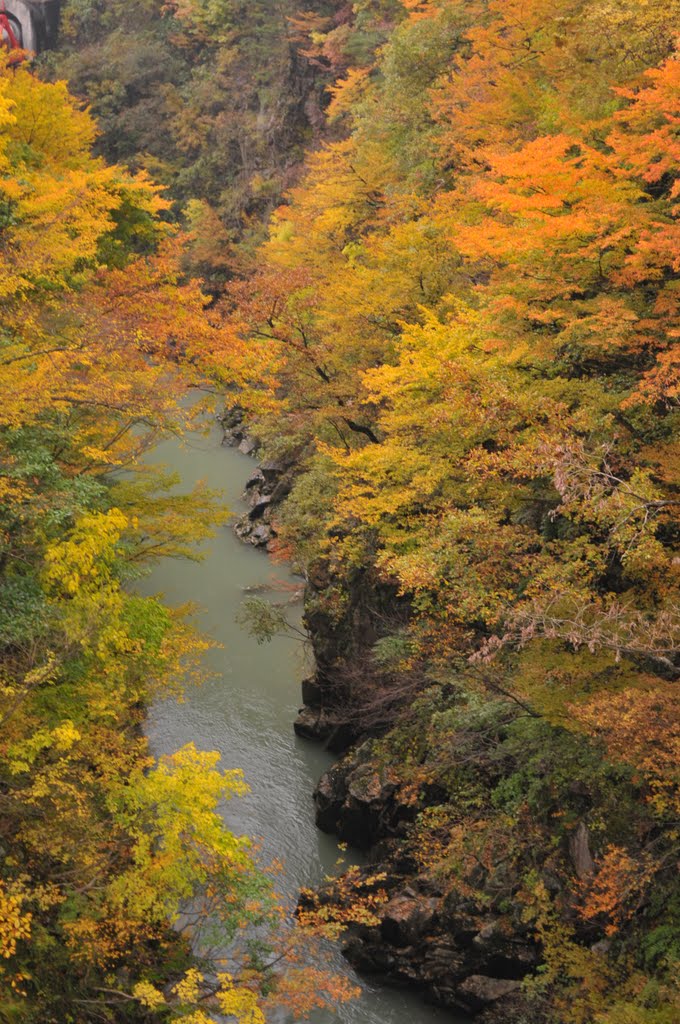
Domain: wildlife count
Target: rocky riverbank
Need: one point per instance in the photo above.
(265, 488)
(423, 769)
(448, 944)
(455, 949)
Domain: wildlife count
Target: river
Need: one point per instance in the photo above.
(246, 709)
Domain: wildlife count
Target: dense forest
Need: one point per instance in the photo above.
(427, 254)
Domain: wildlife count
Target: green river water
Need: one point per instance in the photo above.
(247, 707)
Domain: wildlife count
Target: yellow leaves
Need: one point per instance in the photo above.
(59, 202)
(167, 524)
(64, 737)
(15, 923)
(88, 371)
(296, 989)
(84, 560)
(346, 92)
(60, 206)
(341, 190)
(60, 740)
(37, 109)
(239, 1002)
(180, 838)
(7, 116)
(180, 769)
(60, 221)
(558, 211)
(79, 577)
(148, 995)
(188, 989)
(383, 481)
(581, 976)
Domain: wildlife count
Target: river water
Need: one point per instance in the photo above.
(246, 708)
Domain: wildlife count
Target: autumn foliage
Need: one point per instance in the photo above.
(466, 318)
(463, 329)
(102, 848)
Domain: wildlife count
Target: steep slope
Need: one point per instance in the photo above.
(465, 319)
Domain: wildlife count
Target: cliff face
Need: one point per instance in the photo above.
(461, 951)
(219, 112)
(462, 945)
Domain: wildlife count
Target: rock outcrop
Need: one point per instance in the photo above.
(454, 950)
(356, 800)
(266, 487)
(460, 953)
(461, 957)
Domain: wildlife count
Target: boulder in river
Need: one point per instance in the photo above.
(313, 724)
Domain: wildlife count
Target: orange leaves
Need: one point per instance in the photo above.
(647, 132)
(149, 299)
(420, 9)
(497, 95)
(618, 884)
(353, 898)
(553, 218)
(641, 727)
(567, 227)
(661, 384)
(302, 990)
(497, 307)
(346, 92)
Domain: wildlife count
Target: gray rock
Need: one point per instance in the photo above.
(579, 849)
(365, 785)
(312, 692)
(243, 528)
(261, 535)
(254, 481)
(328, 797)
(248, 445)
(406, 918)
(487, 935)
(271, 471)
(479, 991)
(259, 508)
(313, 724)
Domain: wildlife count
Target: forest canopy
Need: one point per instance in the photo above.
(466, 317)
(439, 250)
(101, 846)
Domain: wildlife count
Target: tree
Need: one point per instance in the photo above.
(465, 319)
